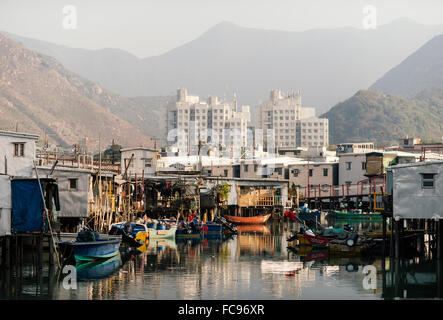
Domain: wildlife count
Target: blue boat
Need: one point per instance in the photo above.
(309, 215)
(88, 246)
(98, 269)
(194, 230)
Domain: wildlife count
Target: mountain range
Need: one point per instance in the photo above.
(327, 65)
(407, 101)
(38, 95)
(421, 70)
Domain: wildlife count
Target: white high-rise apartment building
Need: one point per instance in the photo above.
(293, 125)
(206, 121)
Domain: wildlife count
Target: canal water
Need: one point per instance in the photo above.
(255, 264)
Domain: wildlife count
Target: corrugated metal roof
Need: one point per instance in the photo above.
(415, 164)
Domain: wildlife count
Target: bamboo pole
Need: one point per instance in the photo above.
(46, 212)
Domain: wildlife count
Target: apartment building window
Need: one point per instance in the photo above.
(255, 167)
(348, 165)
(311, 172)
(428, 180)
(225, 172)
(325, 172)
(19, 149)
(363, 165)
(246, 168)
(72, 184)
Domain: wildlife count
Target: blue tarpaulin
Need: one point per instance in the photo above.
(27, 206)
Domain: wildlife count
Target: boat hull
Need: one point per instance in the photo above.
(162, 234)
(248, 220)
(316, 240)
(356, 216)
(94, 250)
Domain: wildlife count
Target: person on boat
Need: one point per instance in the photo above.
(191, 217)
(290, 214)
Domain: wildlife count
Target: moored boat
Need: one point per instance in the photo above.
(249, 220)
(162, 233)
(89, 246)
(355, 215)
(133, 234)
(316, 240)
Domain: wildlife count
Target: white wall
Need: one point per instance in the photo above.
(137, 165)
(17, 166)
(5, 206)
(356, 173)
(73, 203)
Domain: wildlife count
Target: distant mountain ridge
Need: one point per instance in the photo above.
(382, 118)
(421, 70)
(327, 65)
(38, 95)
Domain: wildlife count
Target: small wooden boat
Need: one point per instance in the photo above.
(162, 233)
(248, 220)
(355, 216)
(315, 240)
(90, 247)
(353, 245)
(309, 215)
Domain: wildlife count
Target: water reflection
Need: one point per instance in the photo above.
(255, 264)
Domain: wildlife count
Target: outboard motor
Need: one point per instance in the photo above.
(292, 238)
(225, 224)
(352, 239)
(192, 227)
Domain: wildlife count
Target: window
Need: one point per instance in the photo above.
(255, 167)
(246, 168)
(148, 163)
(363, 165)
(428, 180)
(348, 165)
(325, 172)
(19, 149)
(311, 171)
(72, 184)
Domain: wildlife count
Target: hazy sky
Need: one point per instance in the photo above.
(150, 27)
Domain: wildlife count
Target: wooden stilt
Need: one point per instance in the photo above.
(51, 252)
(397, 239)
(437, 233)
(40, 251)
(391, 243)
(384, 236)
(8, 252)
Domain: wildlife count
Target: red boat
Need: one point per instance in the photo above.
(317, 240)
(248, 220)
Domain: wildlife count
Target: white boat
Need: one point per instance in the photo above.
(162, 234)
